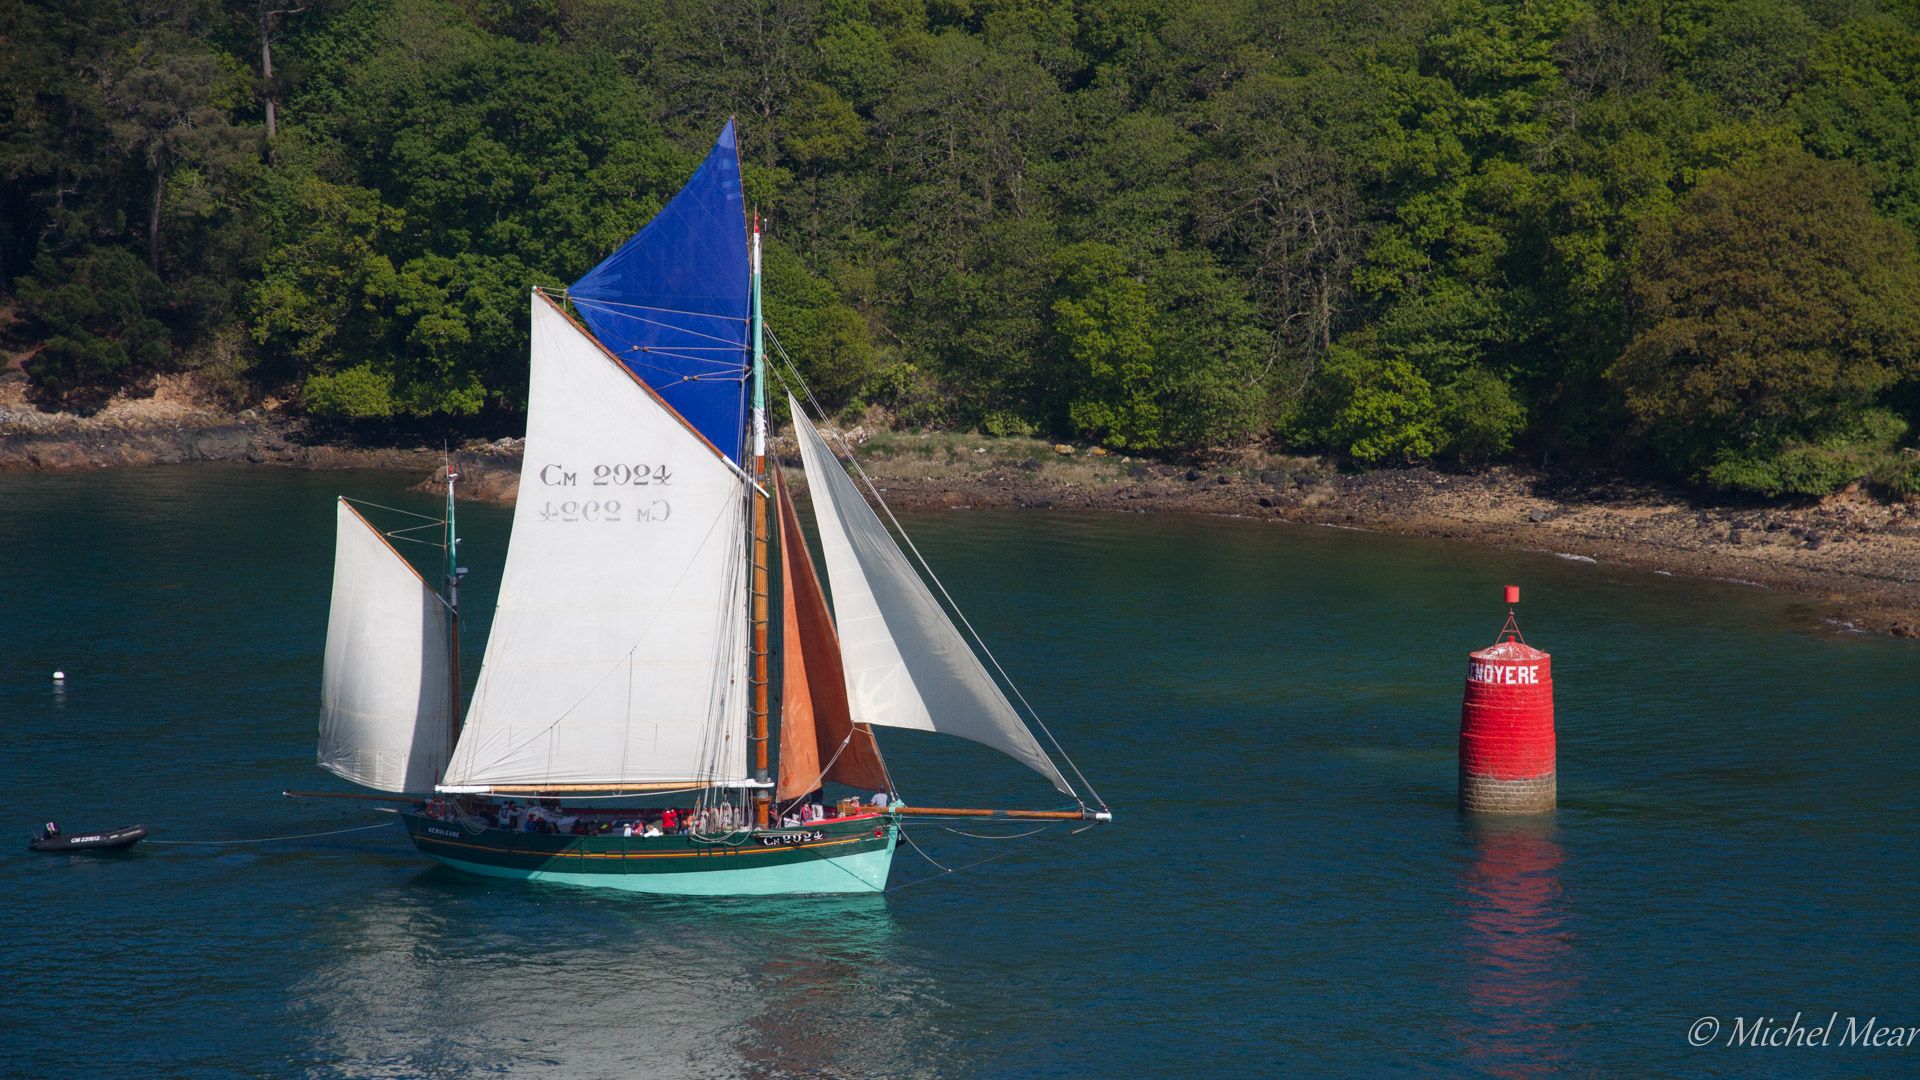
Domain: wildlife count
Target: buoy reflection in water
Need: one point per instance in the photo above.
(1518, 953)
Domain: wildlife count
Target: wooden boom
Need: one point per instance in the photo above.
(1025, 815)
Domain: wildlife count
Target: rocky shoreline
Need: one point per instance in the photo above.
(1855, 559)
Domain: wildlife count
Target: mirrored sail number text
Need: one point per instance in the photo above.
(600, 509)
(570, 510)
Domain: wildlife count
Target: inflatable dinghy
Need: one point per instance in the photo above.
(113, 840)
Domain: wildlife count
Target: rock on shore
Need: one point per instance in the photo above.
(1855, 559)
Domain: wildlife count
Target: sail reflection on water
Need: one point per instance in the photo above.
(578, 983)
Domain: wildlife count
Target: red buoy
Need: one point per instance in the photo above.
(1506, 726)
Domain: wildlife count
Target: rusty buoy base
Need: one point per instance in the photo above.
(1486, 795)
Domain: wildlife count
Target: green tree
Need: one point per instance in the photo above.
(1774, 308)
(1860, 102)
(169, 98)
(1156, 360)
(97, 308)
(1105, 325)
(825, 336)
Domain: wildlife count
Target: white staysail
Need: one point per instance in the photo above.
(906, 664)
(384, 694)
(618, 651)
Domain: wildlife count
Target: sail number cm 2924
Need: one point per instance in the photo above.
(621, 475)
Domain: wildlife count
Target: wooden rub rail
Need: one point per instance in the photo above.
(1022, 815)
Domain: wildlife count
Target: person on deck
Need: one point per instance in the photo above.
(50, 830)
(881, 798)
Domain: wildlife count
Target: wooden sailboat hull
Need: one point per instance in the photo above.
(844, 856)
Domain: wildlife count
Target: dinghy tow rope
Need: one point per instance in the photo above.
(270, 839)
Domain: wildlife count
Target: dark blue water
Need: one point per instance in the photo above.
(1271, 711)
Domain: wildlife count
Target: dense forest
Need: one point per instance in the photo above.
(1676, 238)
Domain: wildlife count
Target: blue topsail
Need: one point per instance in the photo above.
(674, 302)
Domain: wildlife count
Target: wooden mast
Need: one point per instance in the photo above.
(760, 588)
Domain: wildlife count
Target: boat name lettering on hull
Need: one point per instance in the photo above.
(802, 837)
(606, 510)
(442, 832)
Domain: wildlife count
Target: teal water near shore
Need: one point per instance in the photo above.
(1287, 889)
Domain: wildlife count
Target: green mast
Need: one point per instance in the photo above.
(454, 573)
(759, 356)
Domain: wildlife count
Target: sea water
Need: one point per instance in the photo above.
(1287, 887)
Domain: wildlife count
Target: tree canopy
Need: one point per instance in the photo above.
(1673, 237)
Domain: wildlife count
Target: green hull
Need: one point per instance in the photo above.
(827, 857)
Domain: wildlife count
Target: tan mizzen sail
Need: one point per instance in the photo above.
(818, 738)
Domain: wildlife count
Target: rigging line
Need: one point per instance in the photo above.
(999, 836)
(719, 369)
(1033, 713)
(597, 302)
(908, 837)
(682, 377)
(835, 863)
(943, 877)
(268, 839)
(394, 509)
(724, 343)
(820, 780)
(401, 534)
(682, 352)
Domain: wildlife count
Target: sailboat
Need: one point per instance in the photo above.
(618, 734)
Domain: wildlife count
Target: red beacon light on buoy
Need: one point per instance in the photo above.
(1507, 752)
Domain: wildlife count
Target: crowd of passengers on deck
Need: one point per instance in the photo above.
(549, 817)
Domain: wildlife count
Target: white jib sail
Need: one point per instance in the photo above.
(384, 697)
(907, 665)
(618, 649)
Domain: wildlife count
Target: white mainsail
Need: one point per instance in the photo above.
(906, 664)
(618, 652)
(384, 694)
